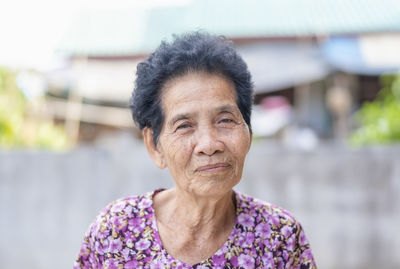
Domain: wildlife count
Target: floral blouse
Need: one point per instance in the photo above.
(125, 235)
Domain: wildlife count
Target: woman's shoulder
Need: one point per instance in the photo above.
(264, 211)
(277, 229)
(128, 205)
(123, 211)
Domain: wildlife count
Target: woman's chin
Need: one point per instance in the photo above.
(213, 186)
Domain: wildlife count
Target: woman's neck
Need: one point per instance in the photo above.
(197, 215)
(193, 228)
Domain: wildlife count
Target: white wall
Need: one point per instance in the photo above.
(347, 200)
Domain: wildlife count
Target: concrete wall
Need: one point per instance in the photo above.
(347, 200)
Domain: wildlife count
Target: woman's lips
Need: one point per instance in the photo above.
(212, 167)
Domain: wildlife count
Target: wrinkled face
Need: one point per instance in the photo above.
(204, 140)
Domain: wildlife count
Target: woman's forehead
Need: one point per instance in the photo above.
(198, 92)
(180, 114)
(194, 75)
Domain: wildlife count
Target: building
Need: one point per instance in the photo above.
(300, 50)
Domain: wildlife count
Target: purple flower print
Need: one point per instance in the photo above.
(289, 263)
(291, 242)
(219, 260)
(302, 239)
(133, 222)
(170, 260)
(77, 265)
(268, 260)
(246, 220)
(117, 221)
(157, 264)
(246, 261)
(92, 260)
(145, 203)
(116, 245)
(132, 264)
(125, 235)
(285, 255)
(117, 207)
(95, 226)
(103, 232)
(129, 236)
(87, 264)
(138, 229)
(112, 264)
(128, 210)
(280, 263)
(201, 266)
(84, 249)
(247, 240)
(103, 247)
(129, 243)
(306, 255)
(275, 220)
(286, 231)
(234, 261)
(136, 225)
(127, 252)
(276, 243)
(142, 244)
(263, 230)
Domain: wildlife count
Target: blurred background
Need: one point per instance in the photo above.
(326, 119)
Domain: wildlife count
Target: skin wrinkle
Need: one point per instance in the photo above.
(198, 221)
(174, 146)
(203, 126)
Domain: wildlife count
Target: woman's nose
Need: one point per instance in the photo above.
(208, 142)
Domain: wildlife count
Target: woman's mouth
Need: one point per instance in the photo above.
(212, 167)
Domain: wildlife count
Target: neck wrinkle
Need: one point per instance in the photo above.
(197, 215)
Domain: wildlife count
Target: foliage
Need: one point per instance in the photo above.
(380, 120)
(19, 129)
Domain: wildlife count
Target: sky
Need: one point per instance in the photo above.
(31, 30)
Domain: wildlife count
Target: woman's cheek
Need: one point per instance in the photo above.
(179, 149)
(240, 139)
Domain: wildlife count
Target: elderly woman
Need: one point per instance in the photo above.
(192, 101)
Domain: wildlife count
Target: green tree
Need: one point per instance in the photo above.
(17, 128)
(379, 120)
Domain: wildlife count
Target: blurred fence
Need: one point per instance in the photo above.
(347, 200)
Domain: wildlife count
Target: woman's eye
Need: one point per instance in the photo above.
(227, 122)
(183, 126)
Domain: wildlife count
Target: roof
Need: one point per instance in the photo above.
(119, 32)
(368, 55)
(281, 64)
(105, 33)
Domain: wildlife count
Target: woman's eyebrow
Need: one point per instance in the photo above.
(184, 116)
(228, 108)
(179, 117)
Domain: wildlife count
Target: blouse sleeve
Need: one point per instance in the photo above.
(303, 254)
(86, 254)
(94, 242)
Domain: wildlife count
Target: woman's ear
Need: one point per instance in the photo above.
(155, 154)
(251, 140)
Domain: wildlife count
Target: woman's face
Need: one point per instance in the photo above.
(204, 140)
